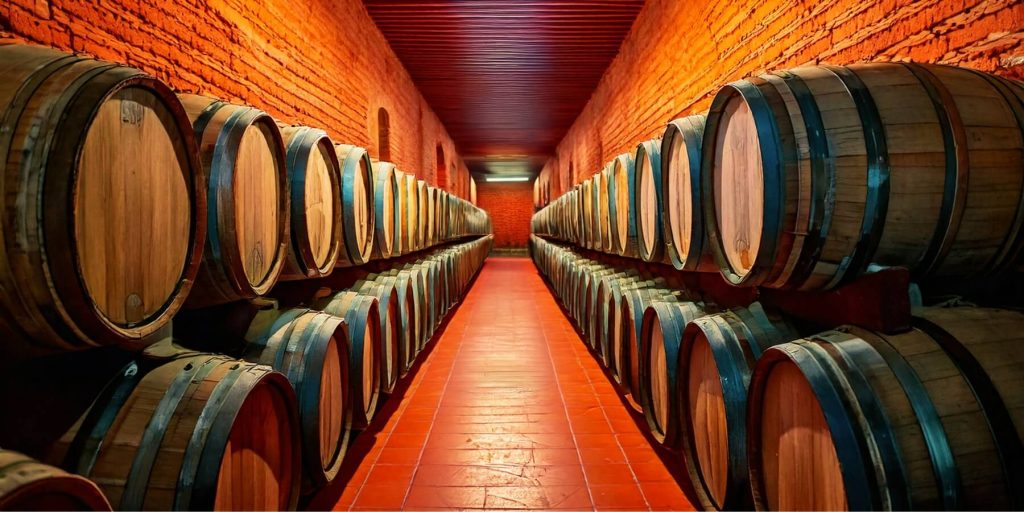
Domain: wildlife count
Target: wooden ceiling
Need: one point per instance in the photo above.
(507, 77)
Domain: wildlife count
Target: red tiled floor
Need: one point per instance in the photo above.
(508, 411)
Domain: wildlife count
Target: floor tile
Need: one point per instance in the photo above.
(508, 410)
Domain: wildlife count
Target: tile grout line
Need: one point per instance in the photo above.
(561, 395)
(448, 379)
(590, 382)
(424, 369)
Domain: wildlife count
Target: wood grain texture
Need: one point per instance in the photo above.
(96, 252)
(311, 349)
(802, 470)
(248, 232)
(909, 165)
(26, 484)
(169, 422)
(948, 390)
(362, 314)
(314, 174)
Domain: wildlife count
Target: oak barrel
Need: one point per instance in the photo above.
(406, 319)
(661, 334)
(412, 212)
(587, 190)
(247, 228)
(387, 225)
(94, 252)
(27, 484)
(200, 432)
(362, 314)
(619, 326)
(603, 221)
(716, 359)
(622, 206)
(392, 344)
(357, 202)
(311, 349)
(682, 216)
(636, 302)
(648, 201)
(422, 218)
(928, 419)
(314, 176)
(606, 287)
(411, 280)
(812, 174)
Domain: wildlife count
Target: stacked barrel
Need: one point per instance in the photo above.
(805, 181)
(129, 204)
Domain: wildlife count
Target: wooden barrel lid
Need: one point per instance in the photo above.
(678, 199)
(357, 202)
(800, 468)
(362, 205)
(658, 379)
(647, 203)
(332, 404)
(370, 367)
(707, 418)
(133, 228)
(625, 228)
(738, 186)
(386, 222)
(257, 201)
(256, 471)
(320, 198)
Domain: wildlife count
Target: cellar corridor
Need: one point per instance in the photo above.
(508, 411)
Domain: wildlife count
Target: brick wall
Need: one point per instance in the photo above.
(321, 63)
(510, 206)
(679, 52)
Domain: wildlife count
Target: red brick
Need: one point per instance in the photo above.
(679, 53)
(320, 63)
(510, 206)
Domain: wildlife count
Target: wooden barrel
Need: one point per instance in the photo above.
(648, 203)
(587, 200)
(200, 432)
(387, 224)
(401, 211)
(412, 211)
(606, 323)
(445, 224)
(599, 309)
(928, 419)
(715, 362)
(411, 279)
(428, 278)
(661, 335)
(27, 484)
(431, 229)
(406, 331)
(588, 309)
(362, 314)
(357, 202)
(931, 163)
(314, 176)
(423, 201)
(94, 252)
(441, 216)
(682, 218)
(604, 220)
(247, 229)
(311, 349)
(622, 206)
(618, 325)
(451, 260)
(390, 330)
